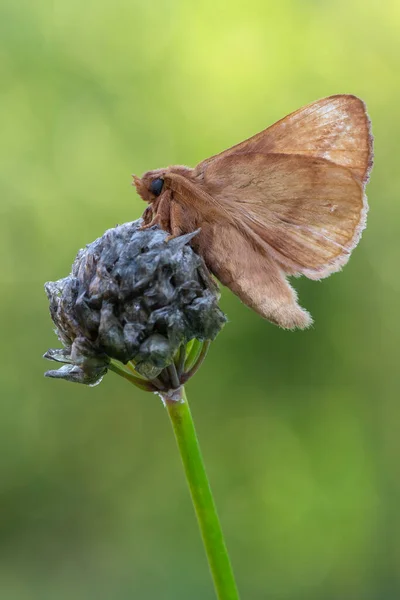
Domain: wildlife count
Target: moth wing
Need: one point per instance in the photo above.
(235, 260)
(307, 213)
(257, 279)
(336, 128)
(288, 200)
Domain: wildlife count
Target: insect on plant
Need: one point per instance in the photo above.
(288, 201)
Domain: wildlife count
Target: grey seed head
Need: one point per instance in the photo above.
(131, 295)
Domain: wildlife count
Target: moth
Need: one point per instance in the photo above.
(287, 201)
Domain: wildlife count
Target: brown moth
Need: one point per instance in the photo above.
(288, 201)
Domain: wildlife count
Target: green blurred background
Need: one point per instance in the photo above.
(300, 431)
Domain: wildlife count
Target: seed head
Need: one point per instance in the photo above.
(132, 295)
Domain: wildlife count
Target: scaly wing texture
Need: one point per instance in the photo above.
(288, 200)
(236, 261)
(255, 278)
(336, 128)
(307, 212)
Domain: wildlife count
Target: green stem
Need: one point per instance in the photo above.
(210, 527)
(197, 363)
(147, 386)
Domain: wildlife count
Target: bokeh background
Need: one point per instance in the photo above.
(300, 431)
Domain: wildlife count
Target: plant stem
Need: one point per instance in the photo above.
(197, 363)
(147, 386)
(210, 527)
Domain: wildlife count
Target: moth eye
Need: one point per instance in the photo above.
(156, 186)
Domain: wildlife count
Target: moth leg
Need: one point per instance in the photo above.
(161, 212)
(147, 217)
(164, 211)
(175, 221)
(150, 215)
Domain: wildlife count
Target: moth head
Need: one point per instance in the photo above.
(150, 185)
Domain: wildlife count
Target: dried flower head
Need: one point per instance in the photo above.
(135, 297)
